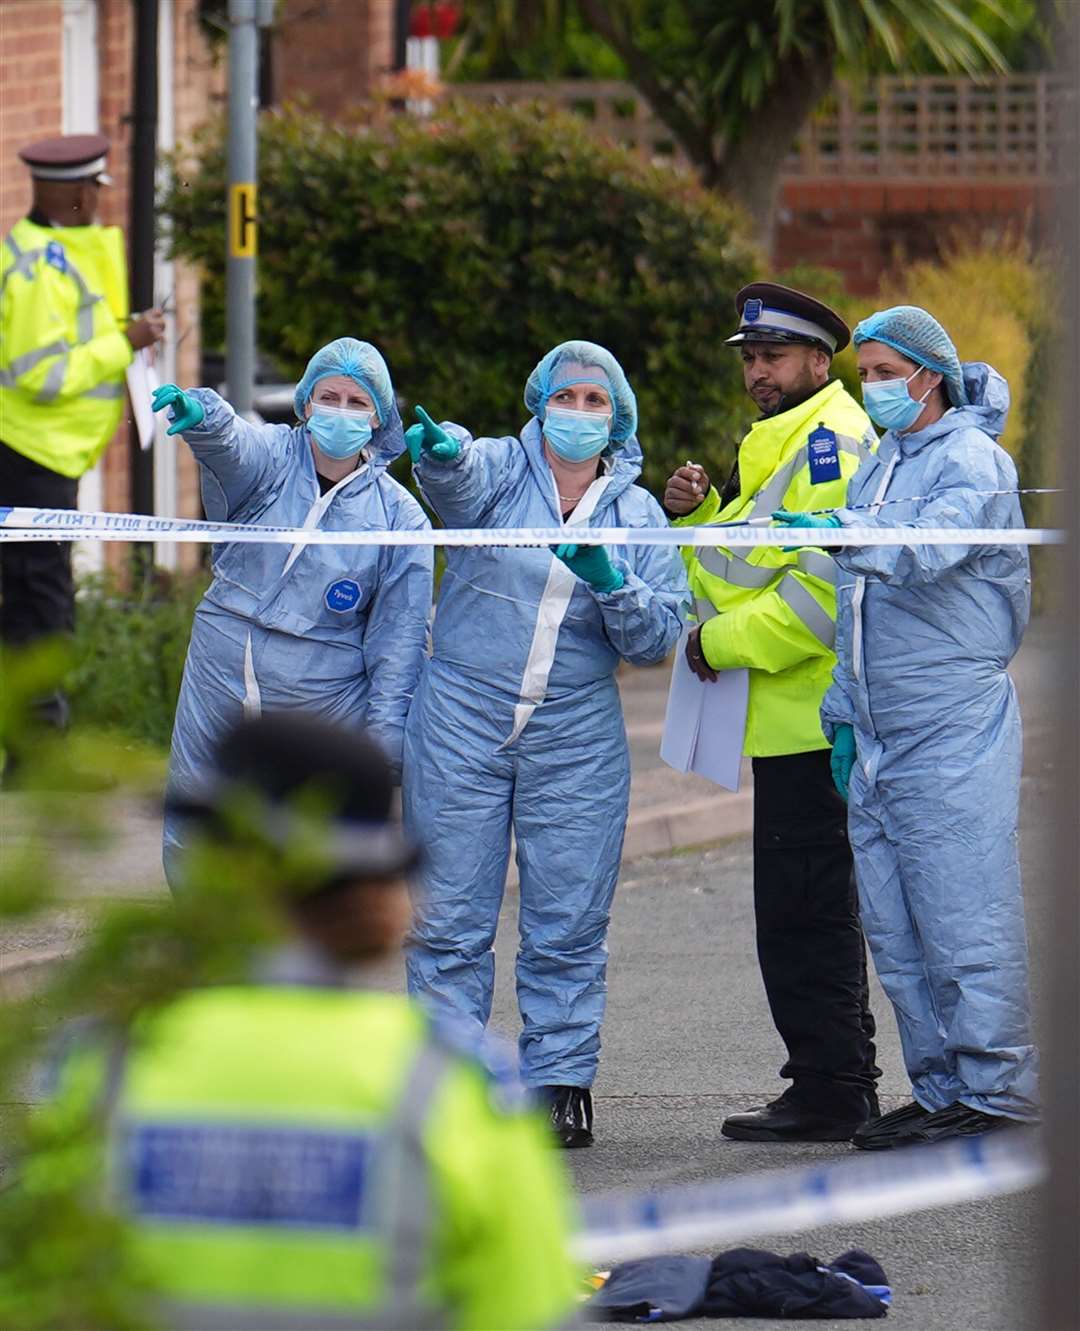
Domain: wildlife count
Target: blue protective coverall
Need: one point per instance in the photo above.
(924, 637)
(337, 629)
(562, 783)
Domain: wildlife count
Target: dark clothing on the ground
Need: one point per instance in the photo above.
(745, 1282)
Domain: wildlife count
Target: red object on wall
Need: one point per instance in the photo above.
(435, 20)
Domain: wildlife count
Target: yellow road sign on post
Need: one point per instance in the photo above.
(243, 228)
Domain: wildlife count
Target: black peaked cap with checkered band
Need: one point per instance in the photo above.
(769, 312)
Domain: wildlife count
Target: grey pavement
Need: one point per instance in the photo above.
(688, 1037)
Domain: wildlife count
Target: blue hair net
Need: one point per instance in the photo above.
(917, 335)
(584, 363)
(358, 361)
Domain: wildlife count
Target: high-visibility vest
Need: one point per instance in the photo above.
(770, 610)
(306, 1157)
(63, 350)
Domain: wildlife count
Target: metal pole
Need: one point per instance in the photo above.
(142, 216)
(1061, 1069)
(401, 31)
(242, 230)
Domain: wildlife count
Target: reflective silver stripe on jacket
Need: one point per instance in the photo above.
(54, 380)
(704, 609)
(818, 565)
(809, 612)
(408, 1202)
(24, 261)
(22, 364)
(739, 572)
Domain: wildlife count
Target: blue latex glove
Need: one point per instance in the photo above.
(592, 564)
(786, 519)
(187, 411)
(842, 759)
(427, 437)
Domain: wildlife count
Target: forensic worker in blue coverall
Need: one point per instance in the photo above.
(338, 630)
(926, 731)
(517, 724)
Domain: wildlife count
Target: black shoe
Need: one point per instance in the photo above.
(571, 1113)
(884, 1132)
(785, 1122)
(955, 1120)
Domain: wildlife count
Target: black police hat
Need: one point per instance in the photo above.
(769, 312)
(286, 760)
(68, 157)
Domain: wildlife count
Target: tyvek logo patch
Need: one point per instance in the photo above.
(342, 596)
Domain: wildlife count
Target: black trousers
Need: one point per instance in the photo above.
(809, 940)
(37, 591)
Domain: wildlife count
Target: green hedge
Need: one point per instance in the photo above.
(129, 651)
(465, 246)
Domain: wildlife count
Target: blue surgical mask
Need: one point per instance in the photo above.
(340, 432)
(889, 404)
(577, 436)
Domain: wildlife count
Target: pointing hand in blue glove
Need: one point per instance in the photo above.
(187, 411)
(592, 564)
(842, 759)
(427, 437)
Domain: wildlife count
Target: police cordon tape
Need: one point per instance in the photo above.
(620, 1226)
(58, 524)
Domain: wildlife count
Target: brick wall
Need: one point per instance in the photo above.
(331, 54)
(30, 79)
(32, 107)
(866, 228)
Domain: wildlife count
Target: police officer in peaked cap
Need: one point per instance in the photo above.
(66, 340)
(773, 612)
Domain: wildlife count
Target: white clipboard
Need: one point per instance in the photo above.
(142, 380)
(705, 722)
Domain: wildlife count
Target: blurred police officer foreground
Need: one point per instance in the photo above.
(66, 340)
(299, 1149)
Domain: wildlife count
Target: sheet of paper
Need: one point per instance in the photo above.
(705, 723)
(142, 379)
(722, 728)
(679, 737)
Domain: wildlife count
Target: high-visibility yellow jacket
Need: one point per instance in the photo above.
(296, 1156)
(63, 351)
(772, 611)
